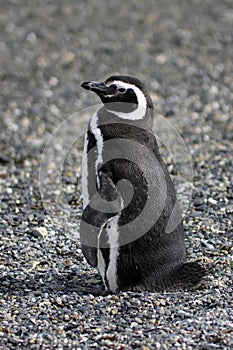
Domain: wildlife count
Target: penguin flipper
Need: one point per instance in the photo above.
(90, 254)
(105, 204)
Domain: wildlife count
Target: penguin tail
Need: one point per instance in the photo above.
(189, 275)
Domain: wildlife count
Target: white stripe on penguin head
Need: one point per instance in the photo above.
(140, 112)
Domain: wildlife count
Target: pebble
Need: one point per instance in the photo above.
(68, 59)
(53, 81)
(195, 214)
(39, 232)
(134, 325)
(229, 209)
(31, 37)
(212, 201)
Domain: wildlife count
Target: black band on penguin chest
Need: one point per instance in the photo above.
(91, 141)
(103, 242)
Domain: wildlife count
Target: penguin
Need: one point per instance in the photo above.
(129, 199)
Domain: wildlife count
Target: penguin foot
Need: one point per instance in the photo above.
(189, 275)
(186, 277)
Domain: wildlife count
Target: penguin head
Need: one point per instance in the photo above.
(121, 93)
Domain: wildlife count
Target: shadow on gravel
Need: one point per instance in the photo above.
(70, 283)
(52, 285)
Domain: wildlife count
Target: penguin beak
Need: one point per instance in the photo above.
(99, 88)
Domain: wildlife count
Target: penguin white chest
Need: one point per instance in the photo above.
(108, 267)
(86, 176)
(96, 131)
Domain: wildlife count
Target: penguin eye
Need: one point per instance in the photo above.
(121, 90)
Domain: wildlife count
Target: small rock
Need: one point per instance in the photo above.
(229, 209)
(31, 37)
(68, 59)
(39, 232)
(161, 59)
(138, 320)
(195, 214)
(212, 201)
(53, 81)
(134, 325)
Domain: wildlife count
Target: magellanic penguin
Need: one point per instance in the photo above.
(127, 230)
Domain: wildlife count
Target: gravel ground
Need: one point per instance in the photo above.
(49, 297)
